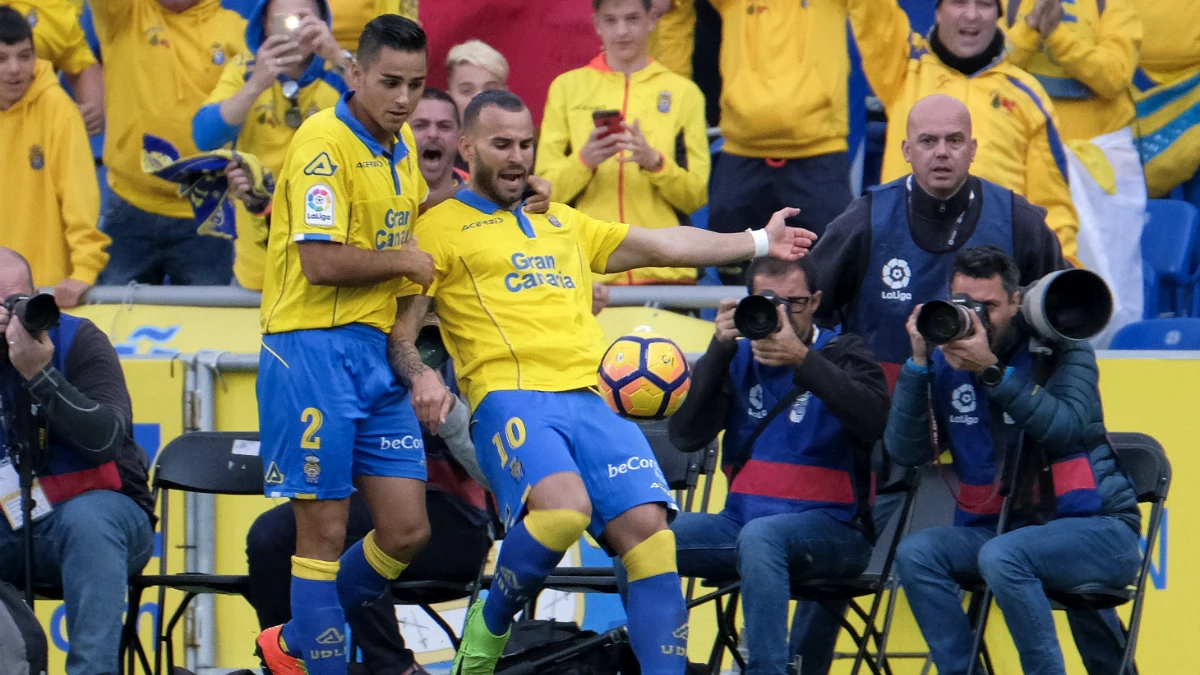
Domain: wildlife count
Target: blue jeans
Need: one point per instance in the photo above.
(815, 626)
(151, 249)
(89, 546)
(1061, 554)
(768, 554)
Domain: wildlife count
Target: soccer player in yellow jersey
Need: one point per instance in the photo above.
(514, 296)
(332, 415)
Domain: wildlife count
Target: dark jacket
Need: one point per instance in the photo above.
(1059, 417)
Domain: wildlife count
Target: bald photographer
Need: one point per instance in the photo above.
(93, 513)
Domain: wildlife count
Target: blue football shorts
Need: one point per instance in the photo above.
(523, 436)
(330, 409)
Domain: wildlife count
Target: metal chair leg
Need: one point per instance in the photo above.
(437, 618)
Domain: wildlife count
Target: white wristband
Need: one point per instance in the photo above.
(762, 242)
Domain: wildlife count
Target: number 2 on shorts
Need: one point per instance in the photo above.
(514, 430)
(314, 419)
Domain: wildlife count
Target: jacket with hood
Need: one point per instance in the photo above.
(57, 35)
(784, 68)
(265, 133)
(1011, 115)
(159, 67)
(46, 166)
(669, 109)
(1086, 64)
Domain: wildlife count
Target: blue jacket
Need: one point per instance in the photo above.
(1059, 417)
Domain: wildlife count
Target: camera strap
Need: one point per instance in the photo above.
(748, 447)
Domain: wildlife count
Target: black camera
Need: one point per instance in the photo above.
(37, 313)
(755, 316)
(431, 348)
(944, 321)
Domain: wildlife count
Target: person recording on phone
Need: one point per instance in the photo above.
(623, 139)
(801, 408)
(93, 517)
(293, 70)
(1012, 386)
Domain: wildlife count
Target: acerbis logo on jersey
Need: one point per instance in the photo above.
(896, 275)
(318, 206)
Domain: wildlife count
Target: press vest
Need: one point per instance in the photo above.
(67, 470)
(902, 275)
(972, 427)
(802, 460)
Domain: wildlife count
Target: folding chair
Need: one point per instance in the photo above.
(874, 582)
(1178, 333)
(199, 463)
(1145, 462)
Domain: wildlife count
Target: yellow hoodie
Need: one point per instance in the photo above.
(785, 68)
(1011, 115)
(46, 168)
(1086, 64)
(669, 110)
(674, 38)
(159, 67)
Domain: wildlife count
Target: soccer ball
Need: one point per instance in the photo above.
(644, 376)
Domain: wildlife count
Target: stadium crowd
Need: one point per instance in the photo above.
(364, 174)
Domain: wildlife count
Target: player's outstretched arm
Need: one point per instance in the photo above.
(430, 398)
(693, 247)
(330, 264)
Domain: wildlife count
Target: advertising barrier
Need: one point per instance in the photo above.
(1151, 395)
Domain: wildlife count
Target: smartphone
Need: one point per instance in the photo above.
(610, 119)
(284, 24)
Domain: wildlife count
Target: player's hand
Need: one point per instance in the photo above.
(417, 264)
(27, 354)
(431, 399)
(639, 149)
(597, 149)
(275, 57)
(725, 330)
(239, 180)
(788, 243)
(540, 201)
(781, 348)
(919, 348)
(68, 292)
(599, 298)
(93, 118)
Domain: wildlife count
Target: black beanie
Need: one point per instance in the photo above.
(999, 6)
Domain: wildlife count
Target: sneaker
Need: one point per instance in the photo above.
(274, 659)
(480, 650)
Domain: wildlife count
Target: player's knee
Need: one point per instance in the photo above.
(404, 542)
(556, 529)
(561, 491)
(322, 540)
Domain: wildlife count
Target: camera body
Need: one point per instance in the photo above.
(755, 316)
(944, 321)
(37, 313)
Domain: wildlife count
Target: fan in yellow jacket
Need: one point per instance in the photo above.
(652, 173)
(965, 57)
(1168, 97)
(49, 174)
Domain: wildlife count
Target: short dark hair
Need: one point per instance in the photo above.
(14, 28)
(501, 98)
(392, 31)
(773, 267)
(596, 5)
(435, 94)
(985, 262)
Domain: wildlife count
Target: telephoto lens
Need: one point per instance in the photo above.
(755, 316)
(37, 313)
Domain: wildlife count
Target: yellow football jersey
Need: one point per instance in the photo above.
(339, 184)
(514, 293)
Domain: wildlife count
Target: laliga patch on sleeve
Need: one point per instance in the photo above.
(318, 206)
(321, 166)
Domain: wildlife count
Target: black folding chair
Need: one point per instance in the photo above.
(875, 581)
(1144, 461)
(199, 463)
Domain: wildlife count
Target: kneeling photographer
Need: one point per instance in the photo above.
(1015, 400)
(93, 511)
(801, 408)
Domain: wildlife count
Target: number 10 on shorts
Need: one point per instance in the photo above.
(514, 432)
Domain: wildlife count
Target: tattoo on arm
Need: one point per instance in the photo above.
(405, 359)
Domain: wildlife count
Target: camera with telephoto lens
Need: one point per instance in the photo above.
(944, 321)
(37, 313)
(1066, 306)
(755, 316)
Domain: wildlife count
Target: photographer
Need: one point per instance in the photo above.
(801, 410)
(1075, 518)
(99, 529)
